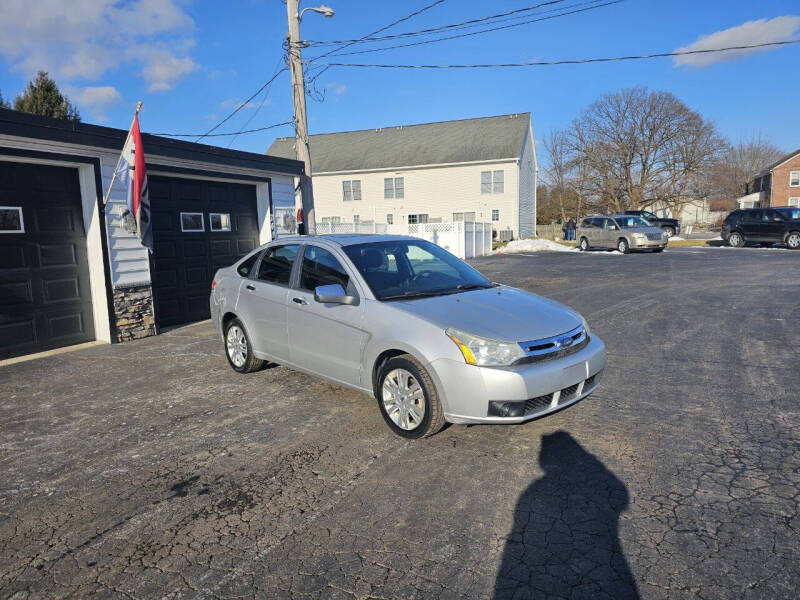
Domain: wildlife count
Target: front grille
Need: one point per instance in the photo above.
(554, 347)
(653, 237)
(568, 393)
(534, 405)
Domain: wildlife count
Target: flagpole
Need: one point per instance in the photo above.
(125, 143)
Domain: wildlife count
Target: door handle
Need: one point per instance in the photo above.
(299, 301)
(250, 287)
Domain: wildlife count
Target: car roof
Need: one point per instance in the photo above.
(344, 239)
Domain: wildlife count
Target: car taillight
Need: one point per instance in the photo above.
(213, 283)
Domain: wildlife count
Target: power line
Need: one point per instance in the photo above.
(223, 134)
(463, 35)
(368, 37)
(564, 62)
(240, 107)
(384, 28)
(260, 105)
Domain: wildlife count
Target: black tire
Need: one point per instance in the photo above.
(793, 240)
(736, 239)
(250, 362)
(669, 231)
(583, 246)
(433, 418)
(623, 246)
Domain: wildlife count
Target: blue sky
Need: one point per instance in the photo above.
(192, 62)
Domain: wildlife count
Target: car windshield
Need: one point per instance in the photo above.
(790, 213)
(630, 221)
(406, 269)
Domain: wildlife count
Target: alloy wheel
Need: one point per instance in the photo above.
(236, 345)
(403, 399)
(622, 246)
(735, 240)
(793, 241)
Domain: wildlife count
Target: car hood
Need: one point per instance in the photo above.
(501, 313)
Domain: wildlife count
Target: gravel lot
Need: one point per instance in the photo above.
(151, 469)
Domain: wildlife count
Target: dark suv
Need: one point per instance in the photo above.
(669, 226)
(766, 226)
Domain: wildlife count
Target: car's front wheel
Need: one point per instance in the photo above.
(238, 349)
(669, 231)
(584, 245)
(408, 399)
(793, 240)
(736, 239)
(623, 246)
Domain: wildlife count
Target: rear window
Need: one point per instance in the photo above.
(790, 213)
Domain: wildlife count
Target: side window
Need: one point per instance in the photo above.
(772, 215)
(276, 264)
(586, 223)
(320, 267)
(192, 222)
(11, 219)
(753, 215)
(246, 266)
(219, 221)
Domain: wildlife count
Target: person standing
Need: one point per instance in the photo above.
(571, 229)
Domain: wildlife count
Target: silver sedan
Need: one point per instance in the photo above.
(407, 322)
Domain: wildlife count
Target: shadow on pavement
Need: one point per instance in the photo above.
(565, 539)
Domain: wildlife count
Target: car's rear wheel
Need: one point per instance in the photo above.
(238, 349)
(793, 240)
(736, 239)
(669, 231)
(584, 245)
(623, 246)
(408, 399)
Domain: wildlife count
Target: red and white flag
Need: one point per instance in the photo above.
(131, 171)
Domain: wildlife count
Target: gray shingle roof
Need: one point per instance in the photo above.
(466, 140)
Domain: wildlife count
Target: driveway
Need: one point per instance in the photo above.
(151, 470)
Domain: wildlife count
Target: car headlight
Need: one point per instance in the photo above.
(640, 236)
(485, 352)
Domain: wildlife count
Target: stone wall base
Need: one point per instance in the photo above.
(133, 310)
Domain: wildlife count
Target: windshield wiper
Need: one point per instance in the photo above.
(425, 294)
(475, 286)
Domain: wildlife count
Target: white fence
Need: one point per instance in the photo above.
(465, 239)
(326, 227)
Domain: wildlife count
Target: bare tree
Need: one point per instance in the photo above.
(637, 147)
(556, 146)
(737, 164)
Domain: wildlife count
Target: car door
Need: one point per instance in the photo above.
(595, 231)
(262, 303)
(326, 339)
(773, 226)
(608, 235)
(750, 225)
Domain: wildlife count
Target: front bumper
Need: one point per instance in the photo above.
(641, 244)
(467, 390)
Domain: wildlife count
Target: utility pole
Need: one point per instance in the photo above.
(300, 120)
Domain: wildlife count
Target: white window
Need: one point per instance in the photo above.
(492, 182)
(192, 222)
(495, 214)
(794, 201)
(351, 190)
(356, 218)
(331, 219)
(11, 219)
(464, 216)
(419, 218)
(794, 179)
(219, 221)
(393, 187)
(389, 218)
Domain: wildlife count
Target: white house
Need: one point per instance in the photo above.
(480, 169)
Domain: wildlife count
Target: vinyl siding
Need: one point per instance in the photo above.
(438, 191)
(527, 187)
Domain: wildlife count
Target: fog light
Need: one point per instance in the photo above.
(506, 409)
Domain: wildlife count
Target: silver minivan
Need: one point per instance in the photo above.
(621, 232)
(405, 321)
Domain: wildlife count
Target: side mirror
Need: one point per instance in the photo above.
(334, 294)
(612, 227)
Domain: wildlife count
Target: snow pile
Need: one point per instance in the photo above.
(536, 245)
(676, 238)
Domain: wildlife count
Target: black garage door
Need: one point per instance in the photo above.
(198, 227)
(45, 298)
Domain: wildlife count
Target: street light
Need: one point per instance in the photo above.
(325, 11)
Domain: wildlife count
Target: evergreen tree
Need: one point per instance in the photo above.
(42, 97)
(3, 103)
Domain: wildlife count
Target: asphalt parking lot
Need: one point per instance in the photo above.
(151, 470)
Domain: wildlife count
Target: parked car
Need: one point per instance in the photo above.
(407, 322)
(669, 226)
(765, 226)
(622, 232)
